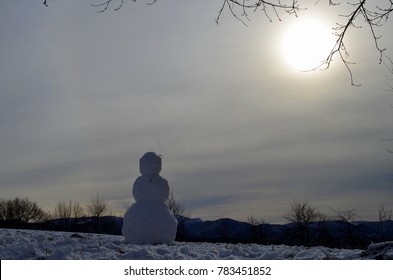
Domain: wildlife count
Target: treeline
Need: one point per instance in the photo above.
(306, 225)
(21, 213)
(310, 226)
(95, 215)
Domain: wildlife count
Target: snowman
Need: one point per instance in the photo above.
(148, 220)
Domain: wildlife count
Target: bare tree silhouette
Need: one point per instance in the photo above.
(17, 212)
(384, 216)
(97, 207)
(303, 214)
(176, 207)
(348, 217)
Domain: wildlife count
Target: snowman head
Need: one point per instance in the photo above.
(150, 164)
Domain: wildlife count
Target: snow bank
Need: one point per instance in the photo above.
(46, 245)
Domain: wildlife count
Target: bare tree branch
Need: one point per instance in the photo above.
(373, 19)
(151, 3)
(235, 6)
(104, 6)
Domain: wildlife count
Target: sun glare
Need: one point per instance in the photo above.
(306, 44)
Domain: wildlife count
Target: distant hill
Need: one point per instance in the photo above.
(335, 234)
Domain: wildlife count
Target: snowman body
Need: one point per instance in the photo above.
(148, 220)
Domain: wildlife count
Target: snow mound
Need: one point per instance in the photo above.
(379, 251)
(30, 244)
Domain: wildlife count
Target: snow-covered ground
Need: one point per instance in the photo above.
(30, 244)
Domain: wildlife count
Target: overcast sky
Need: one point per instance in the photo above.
(84, 95)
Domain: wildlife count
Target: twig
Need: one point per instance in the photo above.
(105, 5)
(245, 6)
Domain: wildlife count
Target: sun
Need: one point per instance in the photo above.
(306, 44)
